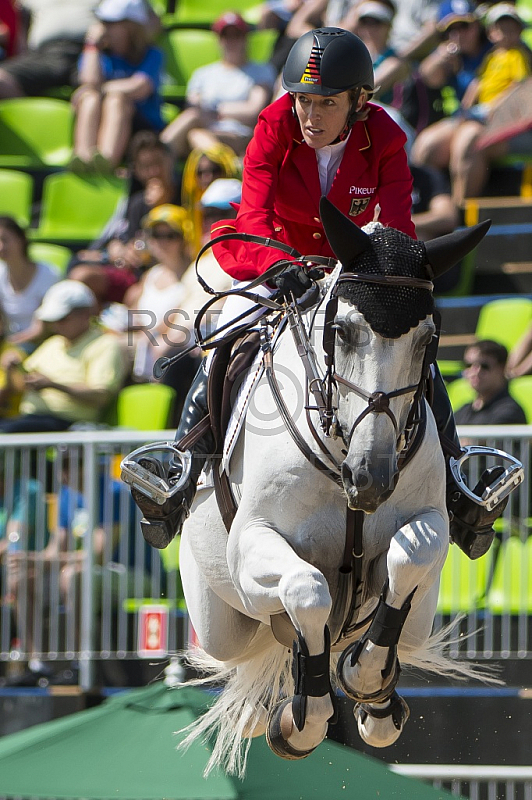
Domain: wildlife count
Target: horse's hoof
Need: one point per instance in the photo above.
(389, 682)
(280, 727)
(381, 727)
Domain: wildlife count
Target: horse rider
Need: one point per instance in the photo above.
(323, 137)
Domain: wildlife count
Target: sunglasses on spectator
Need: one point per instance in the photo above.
(170, 235)
(482, 365)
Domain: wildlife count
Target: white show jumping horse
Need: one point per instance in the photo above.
(283, 609)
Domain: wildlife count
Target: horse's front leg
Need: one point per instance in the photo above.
(271, 578)
(368, 670)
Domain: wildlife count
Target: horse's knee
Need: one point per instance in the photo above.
(306, 589)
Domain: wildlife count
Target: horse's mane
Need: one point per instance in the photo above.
(390, 311)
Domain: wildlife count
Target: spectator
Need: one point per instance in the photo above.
(160, 290)
(433, 210)
(485, 364)
(224, 98)
(202, 167)
(115, 261)
(453, 63)
(520, 358)
(120, 75)
(372, 20)
(507, 63)
(23, 284)
(10, 34)
(73, 375)
(11, 384)
(55, 39)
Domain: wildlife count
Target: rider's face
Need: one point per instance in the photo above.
(322, 119)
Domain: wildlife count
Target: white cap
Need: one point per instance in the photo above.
(501, 10)
(119, 10)
(62, 298)
(375, 10)
(221, 193)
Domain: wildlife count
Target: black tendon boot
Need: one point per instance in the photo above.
(161, 523)
(471, 524)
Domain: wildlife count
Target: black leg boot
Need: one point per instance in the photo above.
(161, 523)
(471, 524)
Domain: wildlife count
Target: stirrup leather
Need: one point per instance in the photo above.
(153, 486)
(499, 490)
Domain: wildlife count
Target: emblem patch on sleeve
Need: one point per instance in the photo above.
(358, 205)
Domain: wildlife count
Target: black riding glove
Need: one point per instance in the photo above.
(297, 282)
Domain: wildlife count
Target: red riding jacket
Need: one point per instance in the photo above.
(281, 188)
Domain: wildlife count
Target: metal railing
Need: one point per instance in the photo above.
(474, 782)
(75, 570)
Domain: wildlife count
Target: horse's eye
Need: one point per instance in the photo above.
(341, 330)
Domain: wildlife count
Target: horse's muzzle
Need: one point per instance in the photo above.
(366, 489)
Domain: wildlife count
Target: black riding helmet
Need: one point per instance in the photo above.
(328, 61)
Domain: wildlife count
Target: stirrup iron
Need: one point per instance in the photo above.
(500, 488)
(156, 488)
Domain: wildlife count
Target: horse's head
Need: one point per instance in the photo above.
(383, 324)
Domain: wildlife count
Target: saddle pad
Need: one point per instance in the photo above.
(240, 406)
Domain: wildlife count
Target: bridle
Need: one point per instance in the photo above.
(377, 402)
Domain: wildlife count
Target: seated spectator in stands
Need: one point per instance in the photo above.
(160, 291)
(224, 98)
(10, 29)
(454, 64)
(372, 20)
(506, 64)
(434, 212)
(202, 167)
(485, 364)
(520, 357)
(55, 40)
(116, 260)
(23, 284)
(119, 75)
(11, 382)
(73, 375)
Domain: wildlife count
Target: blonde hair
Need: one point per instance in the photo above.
(191, 191)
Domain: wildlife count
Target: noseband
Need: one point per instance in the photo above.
(377, 402)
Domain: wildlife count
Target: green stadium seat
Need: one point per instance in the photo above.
(511, 588)
(261, 44)
(193, 13)
(463, 583)
(55, 254)
(521, 391)
(76, 208)
(145, 406)
(185, 50)
(504, 320)
(35, 132)
(460, 392)
(16, 195)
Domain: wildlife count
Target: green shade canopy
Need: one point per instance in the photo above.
(126, 749)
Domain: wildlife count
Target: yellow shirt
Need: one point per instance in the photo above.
(95, 360)
(13, 401)
(499, 70)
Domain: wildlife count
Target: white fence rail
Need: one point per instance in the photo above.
(74, 568)
(474, 782)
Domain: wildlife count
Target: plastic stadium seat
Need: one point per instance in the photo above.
(521, 391)
(504, 320)
(35, 132)
(145, 406)
(54, 254)
(75, 208)
(261, 44)
(185, 50)
(460, 392)
(511, 587)
(192, 12)
(463, 582)
(16, 195)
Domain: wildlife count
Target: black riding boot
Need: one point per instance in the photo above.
(471, 525)
(161, 523)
